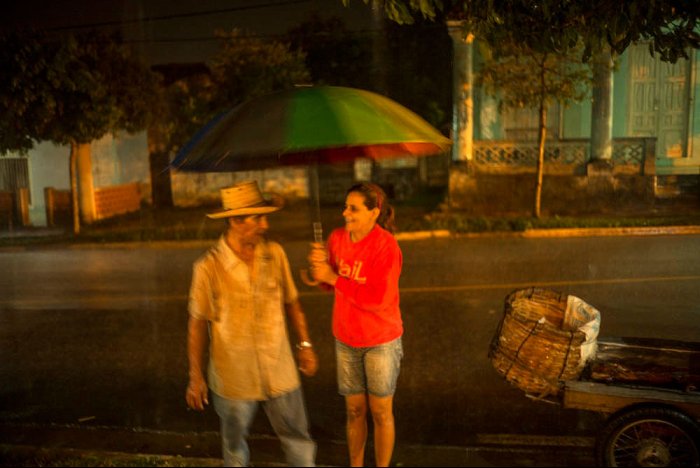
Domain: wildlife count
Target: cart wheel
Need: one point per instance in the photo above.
(649, 436)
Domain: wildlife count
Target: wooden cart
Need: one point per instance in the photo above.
(650, 392)
(546, 345)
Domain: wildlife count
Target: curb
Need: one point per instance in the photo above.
(401, 236)
(555, 232)
(20, 455)
(621, 231)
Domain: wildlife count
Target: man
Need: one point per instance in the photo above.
(241, 289)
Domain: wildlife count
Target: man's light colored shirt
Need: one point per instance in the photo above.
(250, 357)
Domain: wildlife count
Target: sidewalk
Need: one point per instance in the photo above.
(31, 445)
(294, 223)
(61, 235)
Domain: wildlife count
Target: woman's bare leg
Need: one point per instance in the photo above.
(384, 431)
(356, 427)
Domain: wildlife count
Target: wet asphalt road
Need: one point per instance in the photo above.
(96, 336)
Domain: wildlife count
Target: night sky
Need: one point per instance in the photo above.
(171, 31)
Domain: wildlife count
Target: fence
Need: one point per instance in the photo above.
(564, 157)
(7, 211)
(109, 202)
(59, 207)
(116, 200)
(14, 208)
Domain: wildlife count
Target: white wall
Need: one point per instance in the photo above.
(194, 189)
(115, 161)
(49, 166)
(122, 159)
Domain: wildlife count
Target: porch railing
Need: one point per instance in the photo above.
(566, 157)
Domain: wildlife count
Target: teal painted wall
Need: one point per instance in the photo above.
(576, 119)
(694, 140)
(621, 77)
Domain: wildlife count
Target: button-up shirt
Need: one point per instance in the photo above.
(250, 357)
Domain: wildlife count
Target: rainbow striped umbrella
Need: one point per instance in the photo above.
(307, 125)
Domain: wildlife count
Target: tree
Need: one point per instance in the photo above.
(248, 67)
(555, 26)
(523, 78)
(334, 55)
(186, 105)
(416, 66)
(72, 90)
(245, 67)
(419, 70)
(32, 67)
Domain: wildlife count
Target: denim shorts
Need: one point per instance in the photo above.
(373, 369)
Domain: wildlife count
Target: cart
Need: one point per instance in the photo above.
(547, 344)
(649, 390)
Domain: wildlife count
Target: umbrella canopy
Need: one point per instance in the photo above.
(308, 125)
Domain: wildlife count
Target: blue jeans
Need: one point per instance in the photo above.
(373, 369)
(287, 416)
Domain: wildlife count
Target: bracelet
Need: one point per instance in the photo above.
(304, 345)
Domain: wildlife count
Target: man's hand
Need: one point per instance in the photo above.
(197, 394)
(308, 361)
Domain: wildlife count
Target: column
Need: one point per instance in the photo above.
(462, 98)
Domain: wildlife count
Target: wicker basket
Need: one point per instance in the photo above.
(544, 339)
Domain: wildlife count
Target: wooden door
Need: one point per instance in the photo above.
(659, 99)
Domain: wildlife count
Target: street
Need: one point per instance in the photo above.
(96, 336)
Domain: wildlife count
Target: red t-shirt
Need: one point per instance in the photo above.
(366, 308)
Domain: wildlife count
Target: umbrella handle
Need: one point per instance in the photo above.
(318, 238)
(307, 279)
(318, 232)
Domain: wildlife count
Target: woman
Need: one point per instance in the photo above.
(362, 264)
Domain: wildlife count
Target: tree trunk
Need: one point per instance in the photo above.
(542, 134)
(86, 186)
(540, 158)
(601, 108)
(158, 160)
(73, 162)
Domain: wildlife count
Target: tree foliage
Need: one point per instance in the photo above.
(33, 70)
(71, 89)
(420, 78)
(414, 67)
(512, 74)
(403, 11)
(245, 67)
(670, 26)
(248, 67)
(524, 78)
(334, 55)
(186, 105)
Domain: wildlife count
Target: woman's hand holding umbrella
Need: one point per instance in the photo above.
(321, 270)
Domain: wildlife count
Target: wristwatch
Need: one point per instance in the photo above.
(304, 344)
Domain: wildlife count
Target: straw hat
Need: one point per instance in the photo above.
(244, 199)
